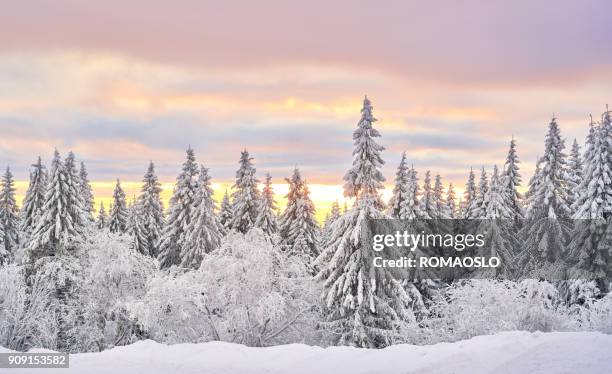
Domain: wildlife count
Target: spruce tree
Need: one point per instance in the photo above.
(118, 219)
(364, 306)
(470, 207)
(180, 213)
(151, 212)
(365, 172)
(588, 252)
(401, 191)
(574, 176)
(511, 180)
(34, 197)
(86, 192)
(439, 202)
(245, 199)
(57, 229)
(412, 207)
(298, 219)
(548, 230)
(226, 215)
(205, 231)
(76, 205)
(266, 219)
(451, 204)
(9, 217)
(427, 198)
(102, 220)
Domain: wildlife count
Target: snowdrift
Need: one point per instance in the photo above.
(509, 352)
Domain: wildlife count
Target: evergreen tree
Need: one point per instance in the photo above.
(34, 198)
(427, 204)
(365, 306)
(451, 204)
(76, 205)
(135, 228)
(266, 219)
(595, 199)
(246, 196)
(102, 221)
(574, 176)
(151, 212)
(9, 217)
(86, 192)
(469, 197)
(439, 202)
(298, 219)
(412, 207)
(401, 191)
(119, 214)
(334, 213)
(588, 251)
(548, 231)
(205, 231)
(57, 229)
(511, 180)
(226, 215)
(365, 175)
(496, 202)
(531, 201)
(180, 212)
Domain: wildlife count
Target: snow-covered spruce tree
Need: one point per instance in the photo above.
(245, 199)
(266, 219)
(75, 201)
(86, 192)
(532, 204)
(595, 199)
(469, 196)
(34, 197)
(364, 306)
(574, 176)
(412, 204)
(439, 202)
(496, 202)
(479, 204)
(205, 231)
(180, 212)
(510, 180)
(365, 172)
(9, 218)
(427, 205)
(548, 230)
(451, 203)
(397, 207)
(118, 218)
(499, 238)
(57, 229)
(588, 252)
(226, 216)
(151, 212)
(334, 212)
(135, 228)
(102, 220)
(298, 219)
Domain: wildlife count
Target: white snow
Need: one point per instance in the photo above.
(508, 352)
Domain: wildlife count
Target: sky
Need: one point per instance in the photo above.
(124, 82)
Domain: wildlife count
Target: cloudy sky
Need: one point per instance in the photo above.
(122, 82)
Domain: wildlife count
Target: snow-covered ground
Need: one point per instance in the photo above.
(509, 352)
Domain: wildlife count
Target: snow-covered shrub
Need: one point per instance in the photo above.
(25, 320)
(248, 291)
(480, 307)
(88, 289)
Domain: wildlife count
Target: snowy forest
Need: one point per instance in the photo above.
(79, 278)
